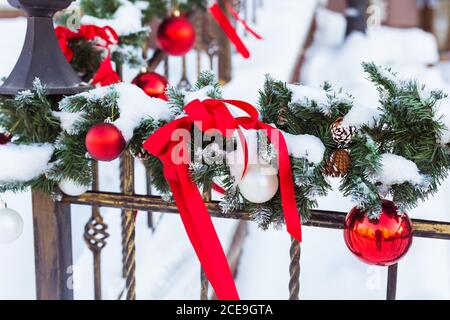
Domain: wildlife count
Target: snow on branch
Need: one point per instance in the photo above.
(133, 104)
(360, 115)
(125, 21)
(21, 163)
(305, 146)
(398, 170)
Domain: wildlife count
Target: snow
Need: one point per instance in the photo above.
(331, 27)
(304, 95)
(201, 94)
(126, 20)
(360, 115)
(397, 170)
(25, 162)
(305, 146)
(134, 106)
(68, 120)
(443, 115)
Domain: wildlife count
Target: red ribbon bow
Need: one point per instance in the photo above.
(214, 114)
(104, 37)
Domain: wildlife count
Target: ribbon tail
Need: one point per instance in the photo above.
(287, 189)
(201, 232)
(242, 21)
(227, 27)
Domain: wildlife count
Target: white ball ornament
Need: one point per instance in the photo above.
(259, 184)
(72, 188)
(11, 225)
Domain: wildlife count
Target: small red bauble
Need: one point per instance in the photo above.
(382, 241)
(105, 142)
(153, 84)
(176, 36)
(5, 137)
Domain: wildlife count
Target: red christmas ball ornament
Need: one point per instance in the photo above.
(382, 241)
(153, 84)
(105, 142)
(5, 137)
(176, 36)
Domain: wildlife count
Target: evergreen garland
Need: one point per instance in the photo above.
(407, 127)
(29, 118)
(103, 9)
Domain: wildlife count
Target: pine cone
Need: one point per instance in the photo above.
(340, 133)
(339, 163)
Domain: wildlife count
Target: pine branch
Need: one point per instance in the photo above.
(103, 9)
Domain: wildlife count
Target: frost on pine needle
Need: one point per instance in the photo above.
(263, 216)
(322, 99)
(230, 202)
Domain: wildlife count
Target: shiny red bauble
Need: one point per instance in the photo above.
(105, 142)
(153, 84)
(176, 36)
(382, 241)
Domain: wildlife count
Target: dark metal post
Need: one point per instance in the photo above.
(392, 282)
(42, 58)
(52, 247)
(41, 55)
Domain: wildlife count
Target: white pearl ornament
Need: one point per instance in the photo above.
(259, 184)
(72, 188)
(11, 225)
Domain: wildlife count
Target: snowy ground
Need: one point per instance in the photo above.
(167, 266)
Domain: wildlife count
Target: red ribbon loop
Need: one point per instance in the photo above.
(214, 114)
(104, 37)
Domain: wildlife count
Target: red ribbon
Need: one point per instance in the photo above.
(223, 21)
(214, 114)
(104, 37)
(242, 21)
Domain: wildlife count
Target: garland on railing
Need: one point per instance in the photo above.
(408, 124)
(274, 164)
